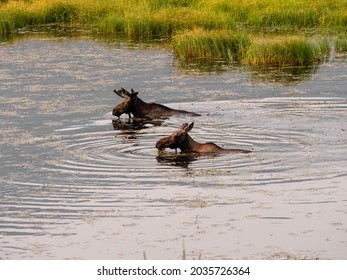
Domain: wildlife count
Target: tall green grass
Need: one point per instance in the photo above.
(340, 44)
(234, 47)
(202, 44)
(160, 17)
(283, 13)
(161, 23)
(286, 51)
(207, 29)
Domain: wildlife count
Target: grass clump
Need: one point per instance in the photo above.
(340, 45)
(286, 51)
(6, 23)
(237, 47)
(213, 44)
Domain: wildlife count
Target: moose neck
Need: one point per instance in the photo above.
(190, 145)
(141, 109)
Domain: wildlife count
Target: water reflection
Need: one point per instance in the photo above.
(64, 173)
(272, 75)
(176, 159)
(203, 66)
(134, 124)
(282, 75)
(131, 127)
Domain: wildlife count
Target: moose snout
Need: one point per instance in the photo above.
(116, 113)
(160, 145)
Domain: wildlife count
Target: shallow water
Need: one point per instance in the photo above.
(76, 183)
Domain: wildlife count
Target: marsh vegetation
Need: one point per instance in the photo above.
(259, 32)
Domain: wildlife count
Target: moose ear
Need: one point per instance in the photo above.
(184, 126)
(133, 93)
(120, 93)
(189, 128)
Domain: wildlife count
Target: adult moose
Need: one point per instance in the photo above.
(181, 139)
(132, 104)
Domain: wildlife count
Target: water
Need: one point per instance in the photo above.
(77, 184)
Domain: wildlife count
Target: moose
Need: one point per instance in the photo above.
(132, 104)
(181, 139)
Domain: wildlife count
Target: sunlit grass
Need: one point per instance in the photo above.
(157, 17)
(161, 23)
(214, 44)
(208, 29)
(234, 47)
(341, 44)
(283, 51)
(283, 13)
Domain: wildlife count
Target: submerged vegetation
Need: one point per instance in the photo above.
(257, 32)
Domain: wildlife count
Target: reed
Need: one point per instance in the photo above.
(6, 24)
(166, 17)
(286, 51)
(163, 22)
(213, 44)
(199, 28)
(238, 47)
(283, 13)
(340, 44)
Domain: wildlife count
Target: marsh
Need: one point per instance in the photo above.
(76, 185)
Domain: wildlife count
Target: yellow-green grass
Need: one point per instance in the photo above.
(213, 44)
(207, 29)
(238, 47)
(286, 51)
(164, 18)
(286, 13)
(340, 44)
(161, 23)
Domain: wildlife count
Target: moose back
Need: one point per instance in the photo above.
(132, 104)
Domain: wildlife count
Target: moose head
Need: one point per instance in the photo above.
(181, 139)
(128, 104)
(177, 139)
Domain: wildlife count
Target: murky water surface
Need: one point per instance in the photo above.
(77, 184)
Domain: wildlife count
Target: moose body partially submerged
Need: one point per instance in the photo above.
(132, 104)
(181, 140)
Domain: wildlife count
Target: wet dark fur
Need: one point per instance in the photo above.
(132, 104)
(181, 140)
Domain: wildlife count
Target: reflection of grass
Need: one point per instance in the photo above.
(282, 75)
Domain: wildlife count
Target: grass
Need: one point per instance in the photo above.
(286, 51)
(161, 23)
(164, 18)
(208, 29)
(238, 47)
(341, 44)
(214, 44)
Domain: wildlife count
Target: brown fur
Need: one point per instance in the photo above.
(132, 104)
(181, 139)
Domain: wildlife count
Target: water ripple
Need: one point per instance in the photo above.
(67, 164)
